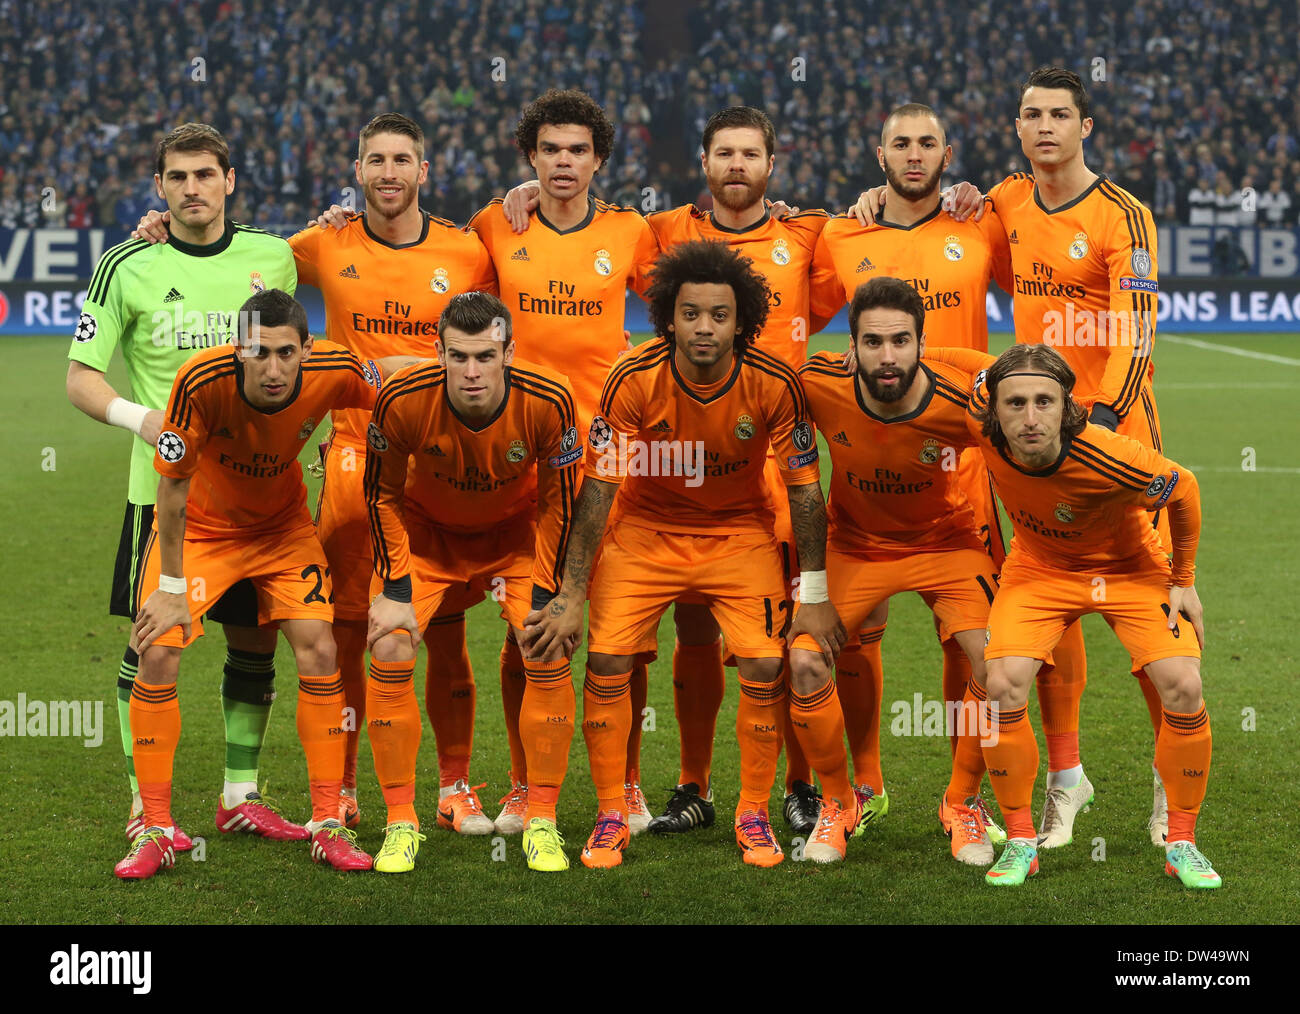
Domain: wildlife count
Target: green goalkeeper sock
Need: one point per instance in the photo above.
(247, 693)
(126, 675)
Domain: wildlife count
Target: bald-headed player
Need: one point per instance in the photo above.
(1083, 259)
(950, 264)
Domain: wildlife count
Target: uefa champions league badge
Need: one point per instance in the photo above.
(441, 281)
(1079, 248)
(255, 283)
(1141, 261)
(604, 263)
(780, 252)
(952, 248)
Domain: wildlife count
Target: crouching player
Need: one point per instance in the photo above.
(470, 482)
(1078, 496)
(681, 438)
(232, 505)
(900, 520)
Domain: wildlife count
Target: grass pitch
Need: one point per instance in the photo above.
(1230, 418)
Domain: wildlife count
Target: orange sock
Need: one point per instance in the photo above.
(512, 700)
(1060, 688)
(449, 696)
(1012, 761)
(758, 728)
(819, 724)
(1183, 760)
(395, 728)
(699, 683)
(350, 637)
(1155, 709)
(606, 715)
(155, 731)
(860, 680)
(956, 677)
(320, 719)
(797, 768)
(640, 693)
(968, 758)
(546, 728)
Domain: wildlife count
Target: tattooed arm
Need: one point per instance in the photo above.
(558, 625)
(819, 620)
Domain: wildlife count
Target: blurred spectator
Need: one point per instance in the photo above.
(1275, 204)
(82, 102)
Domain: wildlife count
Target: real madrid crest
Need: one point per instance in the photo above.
(441, 281)
(604, 263)
(744, 427)
(1063, 513)
(517, 452)
(1079, 248)
(780, 252)
(255, 283)
(952, 248)
(930, 451)
(308, 425)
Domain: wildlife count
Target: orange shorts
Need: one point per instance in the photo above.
(780, 502)
(641, 572)
(344, 530)
(447, 565)
(957, 584)
(288, 570)
(1035, 604)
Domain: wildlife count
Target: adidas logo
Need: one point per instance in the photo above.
(864, 265)
(224, 432)
(520, 255)
(1013, 237)
(661, 427)
(349, 272)
(436, 451)
(173, 297)
(841, 438)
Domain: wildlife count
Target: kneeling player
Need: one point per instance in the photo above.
(469, 483)
(232, 505)
(684, 426)
(1078, 495)
(899, 519)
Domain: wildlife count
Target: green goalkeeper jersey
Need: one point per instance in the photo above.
(162, 303)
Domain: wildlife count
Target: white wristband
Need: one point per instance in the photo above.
(172, 585)
(126, 414)
(812, 587)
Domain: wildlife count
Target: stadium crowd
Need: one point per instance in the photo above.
(1195, 101)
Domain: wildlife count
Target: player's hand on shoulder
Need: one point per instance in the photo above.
(554, 631)
(870, 204)
(161, 611)
(151, 428)
(335, 215)
(821, 622)
(963, 200)
(387, 616)
(519, 203)
(152, 226)
(781, 210)
(1183, 601)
